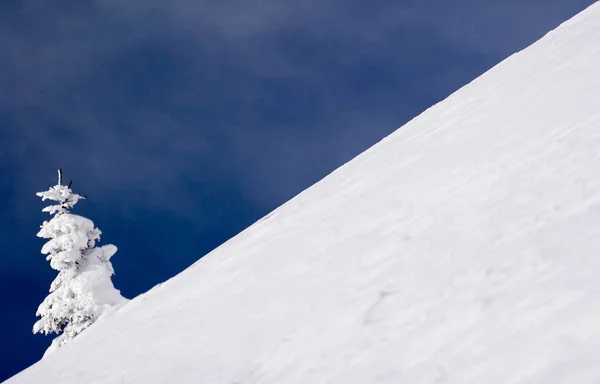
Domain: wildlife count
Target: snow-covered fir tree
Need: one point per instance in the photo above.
(83, 289)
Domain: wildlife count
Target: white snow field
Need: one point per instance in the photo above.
(463, 248)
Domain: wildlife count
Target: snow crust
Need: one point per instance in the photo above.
(463, 248)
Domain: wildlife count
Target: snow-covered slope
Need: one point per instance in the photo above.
(463, 248)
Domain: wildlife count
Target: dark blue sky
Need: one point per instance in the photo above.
(185, 121)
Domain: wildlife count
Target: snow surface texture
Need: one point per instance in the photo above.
(83, 291)
(463, 248)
